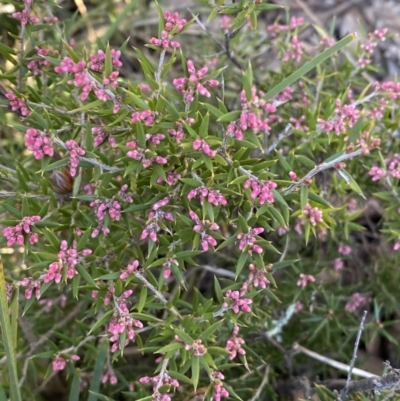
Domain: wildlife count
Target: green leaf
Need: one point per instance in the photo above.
(283, 162)
(356, 129)
(142, 298)
(203, 130)
(328, 53)
(248, 82)
(207, 333)
(316, 198)
(170, 347)
(8, 340)
(89, 106)
(227, 242)
(192, 182)
(101, 321)
(75, 387)
(195, 371)
(98, 369)
(351, 181)
(241, 262)
(85, 274)
(231, 116)
(303, 196)
(184, 336)
(108, 67)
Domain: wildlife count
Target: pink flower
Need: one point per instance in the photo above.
(338, 264)
(68, 258)
(344, 249)
(39, 143)
(355, 301)
(59, 363)
(261, 190)
(18, 105)
(304, 279)
(195, 82)
(247, 241)
(314, 214)
(15, 235)
(237, 304)
(234, 344)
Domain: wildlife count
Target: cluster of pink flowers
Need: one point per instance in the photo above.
(100, 208)
(18, 105)
(37, 64)
(355, 301)
(261, 190)
(173, 25)
(48, 303)
(252, 116)
(234, 344)
(100, 136)
(369, 46)
(304, 279)
(392, 89)
(31, 285)
(247, 241)
(120, 322)
(294, 23)
(82, 79)
(68, 258)
(328, 41)
(298, 123)
(109, 376)
(201, 144)
(74, 152)
(195, 83)
(294, 50)
(25, 17)
(39, 143)
(130, 269)
(314, 214)
(344, 249)
(155, 217)
(171, 177)
(165, 380)
(366, 140)
(167, 267)
(60, 362)
(212, 195)
(236, 303)
(15, 235)
(256, 278)
(98, 61)
(178, 133)
(338, 264)
(197, 346)
(392, 166)
(200, 227)
(346, 116)
(141, 155)
(219, 389)
(147, 116)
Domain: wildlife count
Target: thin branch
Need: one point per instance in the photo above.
(321, 167)
(262, 385)
(287, 131)
(344, 393)
(160, 65)
(332, 362)
(157, 293)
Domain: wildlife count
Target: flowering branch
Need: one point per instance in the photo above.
(321, 167)
(89, 160)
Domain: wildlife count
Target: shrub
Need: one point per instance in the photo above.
(196, 220)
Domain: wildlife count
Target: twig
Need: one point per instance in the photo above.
(228, 50)
(160, 65)
(344, 393)
(287, 131)
(332, 362)
(219, 271)
(321, 167)
(262, 385)
(157, 293)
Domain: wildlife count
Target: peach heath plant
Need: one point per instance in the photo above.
(174, 217)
